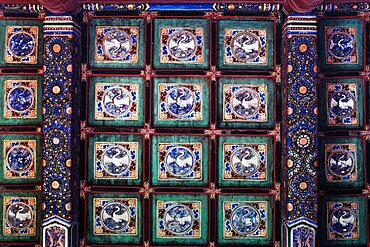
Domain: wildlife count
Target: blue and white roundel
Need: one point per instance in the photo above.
(116, 160)
(179, 161)
(341, 163)
(245, 219)
(182, 45)
(341, 45)
(343, 220)
(20, 99)
(245, 161)
(115, 216)
(342, 104)
(19, 159)
(21, 44)
(178, 219)
(19, 215)
(245, 102)
(116, 44)
(116, 101)
(180, 101)
(245, 46)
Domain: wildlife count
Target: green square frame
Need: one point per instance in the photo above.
(37, 236)
(116, 79)
(359, 81)
(204, 140)
(203, 123)
(359, 164)
(357, 22)
(246, 241)
(361, 241)
(21, 22)
(243, 23)
(111, 239)
(268, 182)
(114, 137)
(198, 22)
(38, 103)
(268, 81)
(37, 178)
(111, 22)
(203, 240)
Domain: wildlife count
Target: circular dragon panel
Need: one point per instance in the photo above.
(245, 102)
(116, 44)
(116, 101)
(20, 99)
(245, 161)
(179, 161)
(180, 101)
(342, 104)
(182, 45)
(21, 44)
(19, 216)
(340, 163)
(178, 219)
(245, 46)
(115, 216)
(19, 159)
(245, 219)
(343, 220)
(116, 160)
(341, 45)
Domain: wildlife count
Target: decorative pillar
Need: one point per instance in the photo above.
(300, 130)
(60, 129)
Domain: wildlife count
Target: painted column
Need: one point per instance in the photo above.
(300, 130)
(60, 129)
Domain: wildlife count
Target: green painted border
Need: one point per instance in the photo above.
(179, 139)
(325, 22)
(113, 138)
(182, 123)
(203, 240)
(116, 79)
(196, 22)
(360, 162)
(36, 137)
(269, 182)
(270, 102)
(94, 22)
(361, 241)
(20, 22)
(37, 236)
(360, 102)
(21, 121)
(247, 23)
(250, 241)
(104, 239)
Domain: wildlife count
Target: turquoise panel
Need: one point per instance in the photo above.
(116, 101)
(181, 43)
(115, 159)
(245, 161)
(246, 102)
(179, 160)
(342, 221)
(341, 46)
(22, 42)
(190, 210)
(181, 102)
(114, 218)
(246, 44)
(106, 34)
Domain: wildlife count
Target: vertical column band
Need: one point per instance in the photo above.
(60, 129)
(300, 130)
